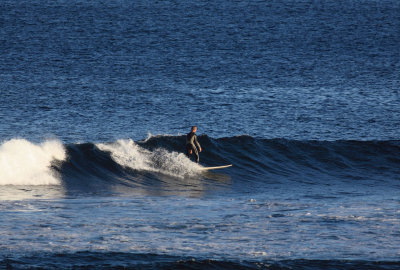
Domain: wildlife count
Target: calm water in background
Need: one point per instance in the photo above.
(314, 86)
(103, 70)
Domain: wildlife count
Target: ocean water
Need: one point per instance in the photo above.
(301, 96)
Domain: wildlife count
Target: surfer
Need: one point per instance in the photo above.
(191, 140)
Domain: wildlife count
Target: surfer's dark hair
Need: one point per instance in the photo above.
(194, 127)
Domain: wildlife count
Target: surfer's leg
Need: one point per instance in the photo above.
(188, 150)
(196, 154)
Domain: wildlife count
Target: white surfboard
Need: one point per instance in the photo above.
(216, 167)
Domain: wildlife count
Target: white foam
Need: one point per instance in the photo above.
(26, 163)
(129, 154)
(150, 136)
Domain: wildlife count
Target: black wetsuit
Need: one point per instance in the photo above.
(191, 140)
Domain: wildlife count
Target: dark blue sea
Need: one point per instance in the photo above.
(301, 96)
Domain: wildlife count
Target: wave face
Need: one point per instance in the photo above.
(160, 159)
(285, 158)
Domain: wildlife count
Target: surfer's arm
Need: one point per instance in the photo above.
(197, 143)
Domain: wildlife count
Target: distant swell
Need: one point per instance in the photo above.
(117, 260)
(161, 158)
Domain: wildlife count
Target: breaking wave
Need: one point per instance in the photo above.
(130, 155)
(161, 158)
(25, 163)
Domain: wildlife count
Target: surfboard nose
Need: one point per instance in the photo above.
(216, 167)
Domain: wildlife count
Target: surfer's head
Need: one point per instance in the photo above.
(194, 129)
